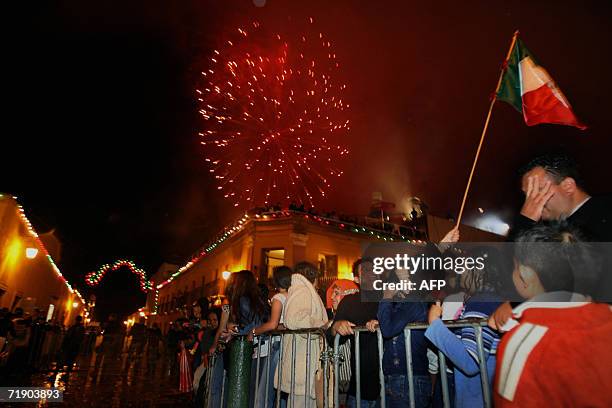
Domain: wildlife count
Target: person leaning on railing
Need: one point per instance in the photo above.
(353, 312)
(481, 298)
(304, 309)
(248, 310)
(396, 310)
(281, 276)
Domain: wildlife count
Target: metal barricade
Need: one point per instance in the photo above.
(277, 357)
(305, 350)
(297, 349)
(477, 324)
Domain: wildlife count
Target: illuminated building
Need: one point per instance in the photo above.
(259, 242)
(29, 277)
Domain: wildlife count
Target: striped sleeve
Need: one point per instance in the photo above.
(490, 338)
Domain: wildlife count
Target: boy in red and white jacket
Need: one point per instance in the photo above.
(559, 353)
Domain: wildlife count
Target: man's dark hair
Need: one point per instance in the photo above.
(308, 270)
(358, 263)
(282, 276)
(558, 165)
(554, 252)
(214, 310)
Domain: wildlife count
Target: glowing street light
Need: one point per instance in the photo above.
(226, 274)
(75, 304)
(31, 253)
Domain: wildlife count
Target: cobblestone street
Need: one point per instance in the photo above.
(126, 381)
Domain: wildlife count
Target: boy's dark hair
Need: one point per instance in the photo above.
(281, 276)
(308, 270)
(550, 249)
(558, 165)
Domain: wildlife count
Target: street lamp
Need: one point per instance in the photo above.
(226, 274)
(31, 253)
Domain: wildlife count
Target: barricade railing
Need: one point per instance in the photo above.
(476, 324)
(274, 353)
(44, 345)
(268, 369)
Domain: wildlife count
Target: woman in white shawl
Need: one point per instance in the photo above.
(304, 309)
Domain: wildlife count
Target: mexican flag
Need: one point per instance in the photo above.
(530, 89)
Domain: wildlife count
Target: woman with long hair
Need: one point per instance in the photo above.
(247, 307)
(248, 310)
(281, 276)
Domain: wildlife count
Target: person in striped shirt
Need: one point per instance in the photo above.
(481, 289)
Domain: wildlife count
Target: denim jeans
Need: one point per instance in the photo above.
(351, 402)
(274, 357)
(397, 394)
(256, 400)
(218, 382)
(261, 392)
(438, 401)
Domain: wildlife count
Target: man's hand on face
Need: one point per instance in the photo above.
(537, 195)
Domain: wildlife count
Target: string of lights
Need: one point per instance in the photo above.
(228, 232)
(93, 278)
(41, 246)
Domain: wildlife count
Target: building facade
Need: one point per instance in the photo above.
(260, 242)
(29, 277)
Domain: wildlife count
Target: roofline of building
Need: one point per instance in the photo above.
(34, 234)
(246, 219)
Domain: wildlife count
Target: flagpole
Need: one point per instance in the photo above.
(486, 126)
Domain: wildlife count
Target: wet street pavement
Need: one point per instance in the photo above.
(126, 381)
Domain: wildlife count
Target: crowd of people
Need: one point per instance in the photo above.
(30, 344)
(550, 349)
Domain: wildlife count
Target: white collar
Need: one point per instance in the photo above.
(552, 300)
(578, 206)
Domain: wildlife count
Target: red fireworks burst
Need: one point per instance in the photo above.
(272, 111)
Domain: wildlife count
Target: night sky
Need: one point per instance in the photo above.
(100, 119)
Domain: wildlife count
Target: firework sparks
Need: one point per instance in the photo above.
(272, 108)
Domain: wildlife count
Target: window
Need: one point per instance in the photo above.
(271, 258)
(50, 312)
(328, 265)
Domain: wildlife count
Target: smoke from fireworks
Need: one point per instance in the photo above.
(272, 108)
